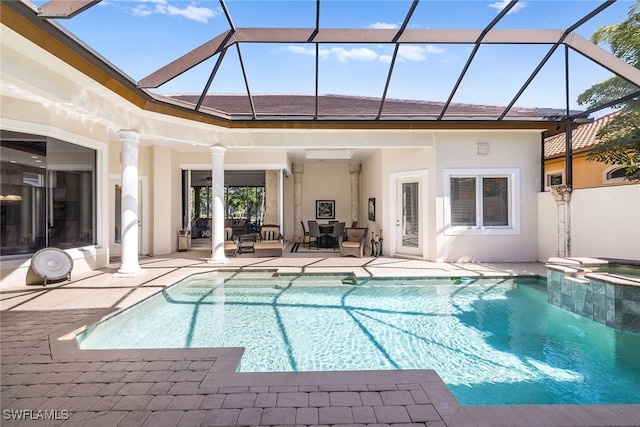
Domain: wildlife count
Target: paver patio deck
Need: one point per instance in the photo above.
(45, 375)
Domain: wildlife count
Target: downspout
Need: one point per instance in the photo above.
(569, 130)
(543, 183)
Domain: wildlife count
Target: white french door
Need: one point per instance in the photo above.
(409, 213)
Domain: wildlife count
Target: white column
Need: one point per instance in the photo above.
(130, 266)
(298, 169)
(217, 203)
(354, 172)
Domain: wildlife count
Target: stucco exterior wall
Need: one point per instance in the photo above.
(519, 150)
(250, 159)
(586, 174)
(165, 202)
(406, 160)
(604, 222)
(548, 243)
(30, 117)
(371, 186)
(326, 181)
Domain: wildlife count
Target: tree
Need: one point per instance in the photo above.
(619, 140)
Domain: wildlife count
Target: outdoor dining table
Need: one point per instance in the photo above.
(326, 241)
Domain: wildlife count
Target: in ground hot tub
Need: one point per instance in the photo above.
(602, 289)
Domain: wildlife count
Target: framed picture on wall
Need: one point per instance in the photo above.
(371, 208)
(325, 209)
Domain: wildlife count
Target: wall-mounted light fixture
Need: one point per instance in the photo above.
(482, 148)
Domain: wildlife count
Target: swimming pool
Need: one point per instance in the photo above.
(491, 341)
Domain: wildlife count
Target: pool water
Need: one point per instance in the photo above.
(491, 341)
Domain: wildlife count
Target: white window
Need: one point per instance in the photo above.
(482, 201)
(615, 174)
(555, 177)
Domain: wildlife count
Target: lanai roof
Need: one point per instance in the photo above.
(435, 100)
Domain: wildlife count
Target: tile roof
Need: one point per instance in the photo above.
(330, 106)
(584, 136)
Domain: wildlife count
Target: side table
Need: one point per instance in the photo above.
(245, 243)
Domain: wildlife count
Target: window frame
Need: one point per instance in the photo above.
(606, 175)
(549, 174)
(513, 206)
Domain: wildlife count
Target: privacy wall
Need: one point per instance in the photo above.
(602, 222)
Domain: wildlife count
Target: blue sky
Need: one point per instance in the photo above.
(141, 36)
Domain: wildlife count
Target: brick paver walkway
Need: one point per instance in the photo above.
(185, 387)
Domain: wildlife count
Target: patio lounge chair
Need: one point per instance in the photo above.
(230, 242)
(269, 242)
(352, 244)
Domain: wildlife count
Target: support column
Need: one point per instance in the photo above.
(217, 204)
(129, 266)
(354, 172)
(271, 197)
(298, 169)
(562, 195)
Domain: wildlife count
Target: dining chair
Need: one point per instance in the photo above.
(314, 233)
(305, 235)
(337, 232)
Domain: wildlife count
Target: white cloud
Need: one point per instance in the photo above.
(501, 4)
(324, 53)
(405, 52)
(417, 52)
(141, 10)
(434, 49)
(300, 50)
(341, 54)
(163, 7)
(412, 53)
(384, 26)
(359, 54)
